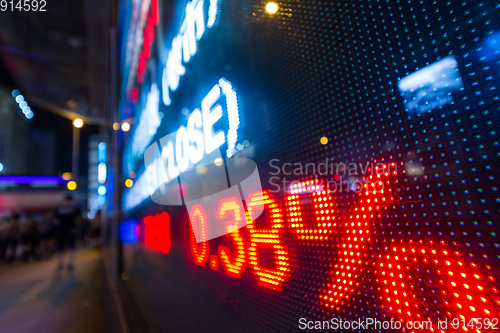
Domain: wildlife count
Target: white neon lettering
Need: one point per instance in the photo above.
(182, 149)
(165, 88)
(195, 136)
(184, 44)
(233, 115)
(212, 13)
(210, 117)
(199, 20)
(149, 121)
(188, 34)
(174, 64)
(186, 147)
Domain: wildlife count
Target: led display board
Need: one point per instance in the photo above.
(374, 126)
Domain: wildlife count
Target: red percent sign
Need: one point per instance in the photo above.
(402, 269)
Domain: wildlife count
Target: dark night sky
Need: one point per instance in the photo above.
(61, 127)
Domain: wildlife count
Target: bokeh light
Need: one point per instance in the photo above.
(101, 190)
(71, 185)
(78, 122)
(272, 7)
(125, 127)
(67, 176)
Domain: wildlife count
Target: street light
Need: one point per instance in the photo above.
(77, 124)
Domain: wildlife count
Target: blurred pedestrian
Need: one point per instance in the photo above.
(13, 235)
(66, 221)
(46, 233)
(30, 237)
(4, 225)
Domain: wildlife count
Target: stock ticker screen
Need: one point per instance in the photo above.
(373, 127)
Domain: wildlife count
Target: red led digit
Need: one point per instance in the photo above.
(351, 230)
(353, 238)
(198, 224)
(232, 206)
(157, 233)
(308, 192)
(268, 238)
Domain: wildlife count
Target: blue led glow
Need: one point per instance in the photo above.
(128, 231)
(101, 152)
(181, 150)
(184, 45)
(431, 86)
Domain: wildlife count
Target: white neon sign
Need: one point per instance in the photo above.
(149, 122)
(184, 45)
(181, 150)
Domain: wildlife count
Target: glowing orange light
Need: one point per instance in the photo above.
(214, 262)
(78, 123)
(198, 225)
(232, 206)
(71, 185)
(268, 238)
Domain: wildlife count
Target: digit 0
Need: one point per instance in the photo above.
(198, 225)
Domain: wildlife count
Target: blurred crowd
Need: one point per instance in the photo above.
(35, 236)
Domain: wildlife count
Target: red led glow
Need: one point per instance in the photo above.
(408, 273)
(415, 279)
(325, 223)
(353, 238)
(268, 238)
(198, 224)
(148, 38)
(232, 206)
(214, 262)
(350, 230)
(157, 233)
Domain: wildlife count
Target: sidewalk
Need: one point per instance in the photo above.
(35, 297)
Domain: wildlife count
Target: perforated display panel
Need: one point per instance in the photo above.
(375, 129)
